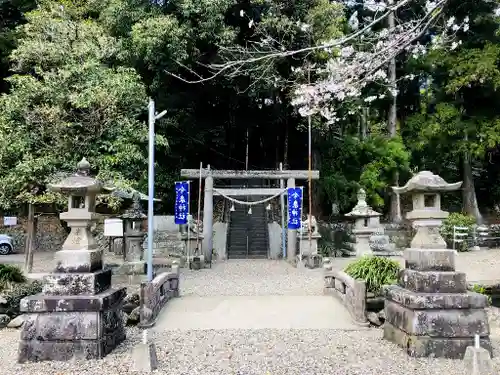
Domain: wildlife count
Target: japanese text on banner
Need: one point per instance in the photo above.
(294, 207)
(181, 202)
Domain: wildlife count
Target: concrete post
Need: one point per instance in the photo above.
(292, 233)
(208, 215)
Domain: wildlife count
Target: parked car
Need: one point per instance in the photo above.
(6, 244)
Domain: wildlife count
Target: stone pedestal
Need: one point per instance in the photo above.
(192, 246)
(78, 314)
(362, 238)
(430, 313)
(63, 327)
(308, 247)
(309, 250)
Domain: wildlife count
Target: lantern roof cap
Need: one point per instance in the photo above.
(426, 181)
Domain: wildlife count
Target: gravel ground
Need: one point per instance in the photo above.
(259, 352)
(479, 265)
(252, 278)
(249, 352)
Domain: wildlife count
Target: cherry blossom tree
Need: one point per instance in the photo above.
(354, 60)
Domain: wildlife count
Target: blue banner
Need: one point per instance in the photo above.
(181, 202)
(294, 207)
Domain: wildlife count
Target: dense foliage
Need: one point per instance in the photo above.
(76, 76)
(11, 274)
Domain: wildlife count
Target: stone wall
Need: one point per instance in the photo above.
(352, 293)
(50, 233)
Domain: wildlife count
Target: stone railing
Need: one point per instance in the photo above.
(351, 292)
(155, 294)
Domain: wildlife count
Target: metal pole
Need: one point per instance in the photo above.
(310, 171)
(151, 184)
(282, 203)
(152, 117)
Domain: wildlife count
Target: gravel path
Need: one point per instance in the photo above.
(479, 265)
(252, 351)
(252, 278)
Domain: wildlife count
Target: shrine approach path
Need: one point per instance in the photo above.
(253, 294)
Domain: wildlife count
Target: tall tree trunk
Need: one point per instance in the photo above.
(395, 209)
(316, 188)
(470, 205)
(285, 147)
(364, 124)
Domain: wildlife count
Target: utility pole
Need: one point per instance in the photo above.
(152, 117)
(395, 207)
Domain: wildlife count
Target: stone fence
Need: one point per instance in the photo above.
(155, 295)
(351, 292)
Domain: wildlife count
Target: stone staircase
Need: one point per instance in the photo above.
(248, 234)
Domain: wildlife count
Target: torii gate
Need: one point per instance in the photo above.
(209, 175)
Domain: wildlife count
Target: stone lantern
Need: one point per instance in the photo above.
(366, 223)
(134, 235)
(430, 313)
(427, 216)
(78, 314)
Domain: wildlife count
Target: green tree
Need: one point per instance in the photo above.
(68, 100)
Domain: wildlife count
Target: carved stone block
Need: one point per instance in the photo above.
(457, 323)
(430, 259)
(424, 346)
(77, 283)
(61, 328)
(78, 260)
(433, 281)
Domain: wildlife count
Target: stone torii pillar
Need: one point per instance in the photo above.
(208, 218)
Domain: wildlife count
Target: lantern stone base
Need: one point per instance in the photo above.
(425, 346)
(61, 328)
(308, 247)
(430, 312)
(78, 260)
(192, 245)
(362, 245)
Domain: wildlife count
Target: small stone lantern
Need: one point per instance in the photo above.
(78, 314)
(430, 313)
(134, 235)
(366, 223)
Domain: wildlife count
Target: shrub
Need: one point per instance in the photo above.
(457, 220)
(15, 294)
(335, 240)
(11, 274)
(375, 271)
(481, 289)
